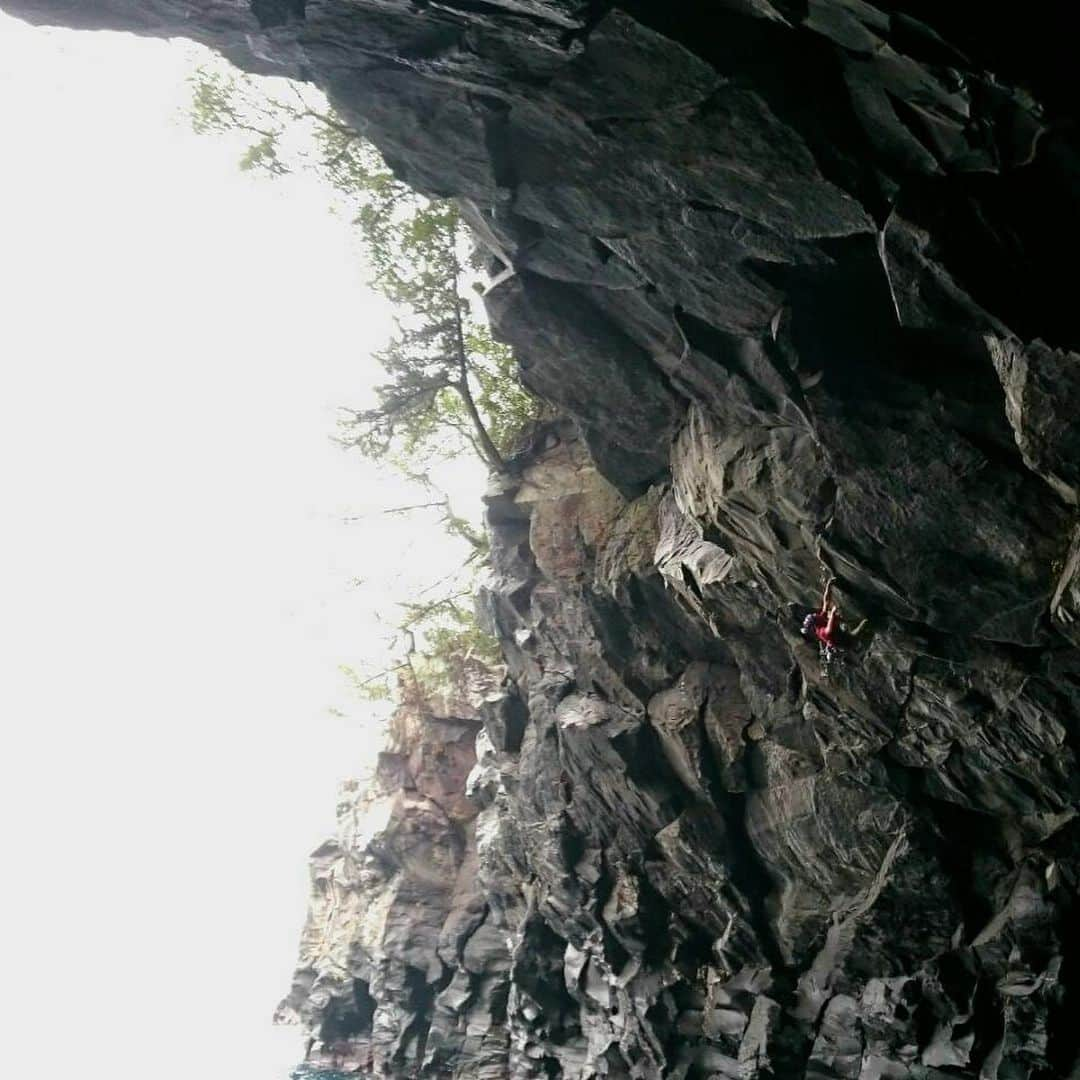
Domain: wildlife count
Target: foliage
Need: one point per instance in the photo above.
(453, 643)
(438, 634)
(451, 388)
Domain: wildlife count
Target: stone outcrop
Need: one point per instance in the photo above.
(400, 960)
(796, 271)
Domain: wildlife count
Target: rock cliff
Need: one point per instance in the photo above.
(798, 274)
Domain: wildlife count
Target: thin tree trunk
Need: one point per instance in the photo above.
(490, 450)
(495, 460)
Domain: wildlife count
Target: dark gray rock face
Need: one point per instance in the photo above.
(798, 275)
(770, 872)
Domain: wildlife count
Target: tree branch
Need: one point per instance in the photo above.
(417, 506)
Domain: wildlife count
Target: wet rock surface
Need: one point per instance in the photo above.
(798, 275)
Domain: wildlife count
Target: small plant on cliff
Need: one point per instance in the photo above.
(439, 641)
(451, 386)
(455, 651)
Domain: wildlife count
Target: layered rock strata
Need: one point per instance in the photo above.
(797, 272)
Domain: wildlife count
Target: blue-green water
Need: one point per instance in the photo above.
(304, 1072)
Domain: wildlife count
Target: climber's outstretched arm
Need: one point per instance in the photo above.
(826, 596)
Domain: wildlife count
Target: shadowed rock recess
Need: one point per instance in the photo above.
(801, 276)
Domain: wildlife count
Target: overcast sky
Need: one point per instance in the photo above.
(174, 571)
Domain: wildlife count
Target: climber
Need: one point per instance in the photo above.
(823, 626)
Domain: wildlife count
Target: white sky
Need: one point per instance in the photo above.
(174, 339)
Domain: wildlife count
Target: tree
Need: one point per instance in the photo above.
(451, 388)
(440, 642)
